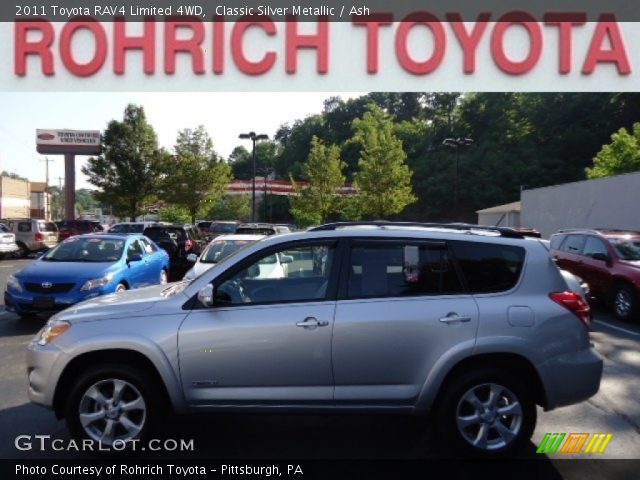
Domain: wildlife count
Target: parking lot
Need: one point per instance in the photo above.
(615, 409)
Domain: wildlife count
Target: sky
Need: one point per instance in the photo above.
(224, 115)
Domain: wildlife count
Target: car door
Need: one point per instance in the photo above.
(401, 307)
(153, 262)
(137, 264)
(265, 340)
(570, 256)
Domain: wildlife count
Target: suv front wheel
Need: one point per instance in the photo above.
(487, 413)
(112, 405)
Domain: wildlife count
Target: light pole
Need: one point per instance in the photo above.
(456, 143)
(254, 138)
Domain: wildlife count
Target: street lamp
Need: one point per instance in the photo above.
(254, 138)
(456, 143)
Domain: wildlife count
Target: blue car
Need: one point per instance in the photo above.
(83, 267)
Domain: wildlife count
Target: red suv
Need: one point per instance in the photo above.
(608, 261)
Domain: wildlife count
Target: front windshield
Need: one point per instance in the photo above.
(91, 249)
(222, 227)
(627, 248)
(220, 249)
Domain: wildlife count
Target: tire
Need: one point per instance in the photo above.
(111, 418)
(490, 435)
(625, 303)
(23, 252)
(164, 277)
(121, 287)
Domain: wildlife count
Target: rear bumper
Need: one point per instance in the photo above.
(571, 378)
(8, 247)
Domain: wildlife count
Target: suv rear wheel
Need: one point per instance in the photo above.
(486, 412)
(113, 404)
(625, 302)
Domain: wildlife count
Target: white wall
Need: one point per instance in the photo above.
(612, 202)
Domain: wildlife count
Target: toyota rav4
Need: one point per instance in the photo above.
(475, 325)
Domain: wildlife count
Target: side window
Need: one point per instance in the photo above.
(134, 248)
(594, 245)
(289, 275)
(556, 241)
(24, 227)
(573, 244)
(148, 246)
(489, 267)
(400, 270)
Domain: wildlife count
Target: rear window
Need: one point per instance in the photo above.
(488, 267)
(222, 228)
(47, 227)
(255, 231)
(24, 227)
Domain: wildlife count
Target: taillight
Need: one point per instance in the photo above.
(39, 237)
(576, 304)
(188, 244)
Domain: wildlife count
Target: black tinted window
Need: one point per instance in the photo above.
(573, 244)
(489, 267)
(400, 270)
(24, 226)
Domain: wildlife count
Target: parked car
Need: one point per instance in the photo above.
(179, 242)
(69, 228)
(203, 226)
(256, 229)
(474, 326)
(608, 261)
(8, 245)
(131, 227)
(83, 267)
(221, 228)
(217, 250)
(32, 234)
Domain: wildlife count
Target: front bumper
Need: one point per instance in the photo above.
(571, 378)
(24, 302)
(44, 366)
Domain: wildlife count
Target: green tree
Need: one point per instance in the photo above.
(622, 155)
(230, 207)
(319, 198)
(384, 179)
(174, 214)
(125, 172)
(194, 176)
(13, 175)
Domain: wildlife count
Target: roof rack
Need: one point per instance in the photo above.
(587, 230)
(503, 231)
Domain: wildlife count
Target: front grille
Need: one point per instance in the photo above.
(55, 287)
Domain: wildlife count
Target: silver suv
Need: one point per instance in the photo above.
(475, 325)
(33, 234)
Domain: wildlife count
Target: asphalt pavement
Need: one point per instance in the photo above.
(614, 409)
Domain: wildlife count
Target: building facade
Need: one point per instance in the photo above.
(15, 198)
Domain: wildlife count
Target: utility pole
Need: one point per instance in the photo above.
(47, 202)
(254, 138)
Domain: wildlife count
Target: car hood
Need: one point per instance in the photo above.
(114, 305)
(631, 263)
(39, 270)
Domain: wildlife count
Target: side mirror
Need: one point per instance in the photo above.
(286, 259)
(600, 256)
(205, 296)
(134, 258)
(192, 257)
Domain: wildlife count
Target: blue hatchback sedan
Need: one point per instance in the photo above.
(83, 267)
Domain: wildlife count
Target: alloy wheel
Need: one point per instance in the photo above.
(112, 410)
(489, 416)
(623, 303)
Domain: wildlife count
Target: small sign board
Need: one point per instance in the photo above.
(80, 142)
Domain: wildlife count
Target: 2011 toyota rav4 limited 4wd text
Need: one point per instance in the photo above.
(473, 325)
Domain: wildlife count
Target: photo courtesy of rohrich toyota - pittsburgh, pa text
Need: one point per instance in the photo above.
(322, 240)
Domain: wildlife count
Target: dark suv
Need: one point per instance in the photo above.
(608, 261)
(178, 241)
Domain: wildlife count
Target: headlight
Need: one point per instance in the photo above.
(51, 331)
(97, 282)
(13, 282)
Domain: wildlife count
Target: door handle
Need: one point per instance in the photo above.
(312, 322)
(454, 317)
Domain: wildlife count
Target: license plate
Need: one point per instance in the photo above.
(44, 303)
